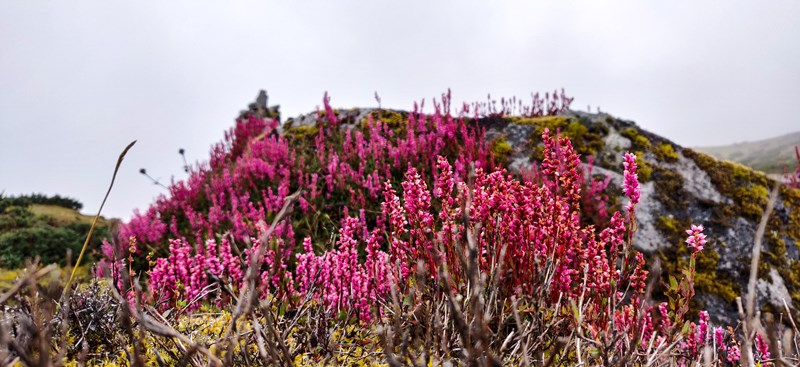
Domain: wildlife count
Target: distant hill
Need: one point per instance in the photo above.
(48, 227)
(769, 155)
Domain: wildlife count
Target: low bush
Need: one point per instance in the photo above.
(24, 235)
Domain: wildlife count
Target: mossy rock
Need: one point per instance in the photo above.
(675, 258)
(586, 137)
(746, 187)
(669, 188)
(665, 153)
(643, 168)
(668, 225)
(708, 280)
(501, 150)
(753, 199)
(791, 200)
(638, 141)
(301, 132)
(395, 120)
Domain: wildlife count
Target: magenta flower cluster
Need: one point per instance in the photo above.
(341, 169)
(696, 239)
(630, 182)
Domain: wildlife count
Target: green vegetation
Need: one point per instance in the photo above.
(669, 188)
(27, 200)
(393, 119)
(746, 187)
(643, 168)
(586, 137)
(664, 152)
(501, 150)
(676, 257)
(638, 142)
(301, 132)
(47, 231)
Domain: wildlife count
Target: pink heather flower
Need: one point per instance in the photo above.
(666, 324)
(734, 354)
(719, 337)
(631, 182)
(762, 347)
(444, 182)
(696, 238)
(702, 334)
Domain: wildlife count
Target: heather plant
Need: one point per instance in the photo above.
(341, 169)
(524, 238)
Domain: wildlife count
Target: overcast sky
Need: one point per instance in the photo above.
(81, 79)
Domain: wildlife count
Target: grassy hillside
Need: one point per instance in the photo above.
(35, 225)
(63, 215)
(769, 155)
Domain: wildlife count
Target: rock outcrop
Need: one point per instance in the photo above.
(680, 187)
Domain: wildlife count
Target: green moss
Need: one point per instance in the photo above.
(676, 258)
(746, 187)
(669, 189)
(665, 152)
(791, 200)
(753, 199)
(586, 137)
(643, 169)
(707, 279)
(552, 122)
(638, 141)
(668, 224)
(501, 149)
(789, 269)
(301, 132)
(393, 119)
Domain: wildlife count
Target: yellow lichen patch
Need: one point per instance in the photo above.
(668, 224)
(301, 132)
(746, 187)
(551, 122)
(707, 280)
(753, 200)
(501, 149)
(666, 153)
(676, 258)
(8, 277)
(585, 140)
(393, 119)
(643, 169)
(788, 269)
(638, 141)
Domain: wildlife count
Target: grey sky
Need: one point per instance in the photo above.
(79, 80)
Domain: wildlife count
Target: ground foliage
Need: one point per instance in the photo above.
(402, 243)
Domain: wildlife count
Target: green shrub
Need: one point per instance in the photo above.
(49, 243)
(24, 235)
